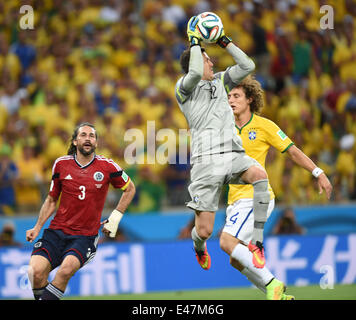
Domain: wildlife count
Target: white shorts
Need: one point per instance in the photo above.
(240, 218)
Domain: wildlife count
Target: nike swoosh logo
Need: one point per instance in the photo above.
(263, 202)
(257, 257)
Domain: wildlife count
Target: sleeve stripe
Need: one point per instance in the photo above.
(178, 93)
(286, 149)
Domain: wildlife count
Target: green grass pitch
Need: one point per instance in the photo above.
(339, 292)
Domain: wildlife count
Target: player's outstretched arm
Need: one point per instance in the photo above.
(244, 64)
(301, 159)
(196, 64)
(111, 225)
(46, 211)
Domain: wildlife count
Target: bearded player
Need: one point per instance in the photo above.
(258, 134)
(82, 180)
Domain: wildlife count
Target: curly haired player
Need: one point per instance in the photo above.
(258, 134)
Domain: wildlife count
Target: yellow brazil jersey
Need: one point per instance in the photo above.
(258, 135)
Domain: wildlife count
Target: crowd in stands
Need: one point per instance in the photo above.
(115, 63)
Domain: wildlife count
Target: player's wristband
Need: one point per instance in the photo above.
(194, 41)
(317, 172)
(113, 222)
(223, 41)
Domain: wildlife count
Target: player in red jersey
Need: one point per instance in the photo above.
(82, 179)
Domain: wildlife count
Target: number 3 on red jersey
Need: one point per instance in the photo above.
(82, 194)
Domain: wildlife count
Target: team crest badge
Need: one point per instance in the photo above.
(38, 244)
(252, 135)
(98, 176)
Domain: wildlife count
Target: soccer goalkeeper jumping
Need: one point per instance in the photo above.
(217, 154)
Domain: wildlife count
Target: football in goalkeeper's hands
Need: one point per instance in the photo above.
(210, 27)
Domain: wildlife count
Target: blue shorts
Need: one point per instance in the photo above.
(55, 245)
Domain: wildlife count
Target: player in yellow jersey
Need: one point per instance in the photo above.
(258, 134)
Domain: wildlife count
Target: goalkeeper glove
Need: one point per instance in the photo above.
(223, 41)
(113, 222)
(192, 31)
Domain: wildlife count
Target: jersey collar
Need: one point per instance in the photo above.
(240, 129)
(87, 165)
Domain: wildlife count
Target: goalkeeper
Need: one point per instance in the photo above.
(217, 154)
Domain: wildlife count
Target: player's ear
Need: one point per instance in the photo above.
(75, 142)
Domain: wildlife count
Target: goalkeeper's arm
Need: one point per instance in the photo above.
(244, 64)
(112, 223)
(196, 64)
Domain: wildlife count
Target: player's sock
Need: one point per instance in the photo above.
(254, 279)
(261, 200)
(51, 293)
(37, 293)
(262, 276)
(199, 244)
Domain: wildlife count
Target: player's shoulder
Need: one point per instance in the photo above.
(61, 163)
(179, 80)
(107, 162)
(63, 159)
(264, 122)
(219, 76)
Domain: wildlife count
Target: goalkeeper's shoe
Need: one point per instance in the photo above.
(275, 290)
(258, 254)
(287, 297)
(203, 258)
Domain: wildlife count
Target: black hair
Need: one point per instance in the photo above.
(184, 59)
(72, 148)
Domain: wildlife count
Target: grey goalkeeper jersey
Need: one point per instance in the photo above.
(205, 104)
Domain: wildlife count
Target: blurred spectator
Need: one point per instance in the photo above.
(150, 191)
(28, 187)
(11, 98)
(173, 13)
(260, 52)
(25, 51)
(287, 224)
(332, 95)
(302, 56)
(7, 236)
(345, 168)
(282, 62)
(8, 177)
(111, 12)
(106, 98)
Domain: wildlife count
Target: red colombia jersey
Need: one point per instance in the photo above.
(83, 191)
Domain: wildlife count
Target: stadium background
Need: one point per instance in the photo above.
(115, 64)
